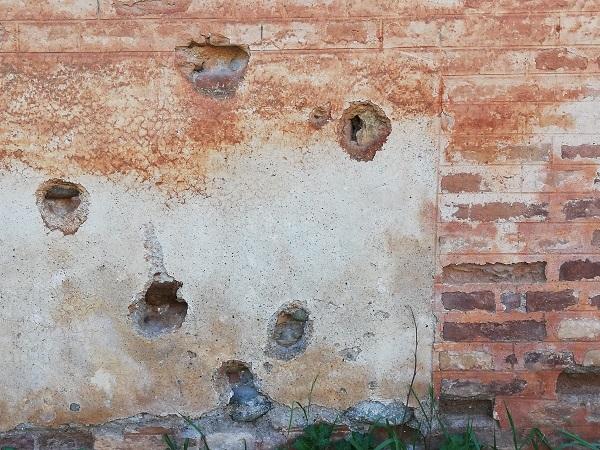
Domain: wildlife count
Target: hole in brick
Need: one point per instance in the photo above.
(364, 130)
(160, 310)
(245, 402)
(214, 68)
(289, 331)
(579, 382)
(63, 205)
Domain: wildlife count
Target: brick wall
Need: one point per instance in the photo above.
(510, 90)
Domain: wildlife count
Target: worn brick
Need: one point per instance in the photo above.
(580, 29)
(48, 9)
(49, 37)
(579, 270)
(330, 34)
(578, 383)
(461, 182)
(514, 330)
(19, 441)
(482, 149)
(513, 301)
(595, 301)
(501, 211)
(8, 37)
(466, 301)
(579, 329)
(66, 440)
(596, 238)
(521, 272)
(592, 358)
(560, 59)
(537, 360)
(411, 32)
(476, 360)
(581, 151)
(582, 208)
(549, 300)
(495, 31)
(453, 388)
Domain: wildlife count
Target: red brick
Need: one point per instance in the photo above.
(582, 208)
(560, 59)
(508, 331)
(501, 211)
(496, 31)
(579, 270)
(49, 37)
(537, 360)
(411, 32)
(466, 301)
(486, 149)
(461, 182)
(48, 9)
(330, 34)
(581, 151)
(550, 301)
(8, 37)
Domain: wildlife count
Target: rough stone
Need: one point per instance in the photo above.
(372, 412)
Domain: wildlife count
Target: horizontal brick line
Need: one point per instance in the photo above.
(545, 193)
(326, 17)
(522, 253)
(520, 102)
(513, 74)
(560, 165)
(163, 52)
(472, 222)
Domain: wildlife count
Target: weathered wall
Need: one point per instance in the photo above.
(245, 195)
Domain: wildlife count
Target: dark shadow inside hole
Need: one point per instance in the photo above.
(356, 124)
(163, 309)
(62, 199)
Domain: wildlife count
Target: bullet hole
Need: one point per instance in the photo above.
(159, 310)
(245, 402)
(75, 407)
(214, 67)
(289, 331)
(320, 116)
(63, 205)
(363, 131)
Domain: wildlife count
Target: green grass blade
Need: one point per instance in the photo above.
(169, 442)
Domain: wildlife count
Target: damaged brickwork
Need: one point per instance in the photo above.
(208, 204)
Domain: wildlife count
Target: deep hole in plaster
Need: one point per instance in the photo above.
(245, 401)
(160, 310)
(289, 332)
(214, 69)
(364, 128)
(63, 205)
